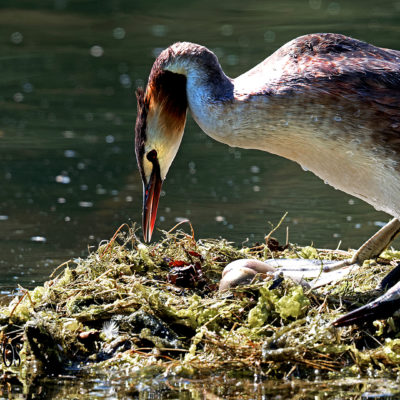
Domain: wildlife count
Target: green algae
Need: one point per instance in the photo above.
(263, 310)
(294, 304)
(120, 307)
(270, 302)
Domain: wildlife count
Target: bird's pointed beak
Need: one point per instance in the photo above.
(151, 196)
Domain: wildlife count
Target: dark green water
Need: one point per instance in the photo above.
(68, 177)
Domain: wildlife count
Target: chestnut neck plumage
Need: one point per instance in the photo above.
(319, 119)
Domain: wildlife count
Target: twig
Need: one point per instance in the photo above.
(183, 222)
(20, 300)
(113, 238)
(276, 227)
(60, 266)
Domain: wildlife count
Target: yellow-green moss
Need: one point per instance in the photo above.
(194, 329)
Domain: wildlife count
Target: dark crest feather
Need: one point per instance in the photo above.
(140, 128)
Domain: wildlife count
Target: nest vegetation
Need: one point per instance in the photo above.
(132, 305)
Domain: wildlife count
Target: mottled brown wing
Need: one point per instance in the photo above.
(337, 68)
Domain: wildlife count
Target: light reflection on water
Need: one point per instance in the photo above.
(147, 384)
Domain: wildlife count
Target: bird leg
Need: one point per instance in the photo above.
(334, 270)
(323, 271)
(373, 247)
(384, 306)
(389, 303)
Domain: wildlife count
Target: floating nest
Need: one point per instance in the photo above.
(157, 307)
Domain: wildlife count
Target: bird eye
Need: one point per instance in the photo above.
(152, 155)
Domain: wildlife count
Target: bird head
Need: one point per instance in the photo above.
(160, 122)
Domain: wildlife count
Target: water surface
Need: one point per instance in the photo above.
(67, 170)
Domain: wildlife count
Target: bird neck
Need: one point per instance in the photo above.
(244, 112)
(228, 110)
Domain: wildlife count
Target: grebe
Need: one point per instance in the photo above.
(327, 101)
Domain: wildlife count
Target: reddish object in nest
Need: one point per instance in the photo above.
(177, 263)
(274, 245)
(186, 275)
